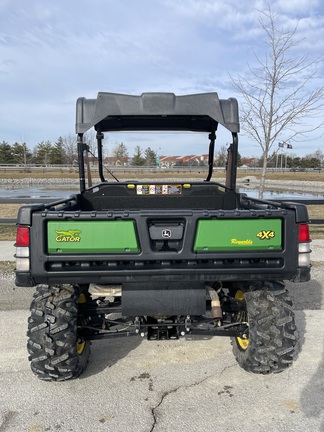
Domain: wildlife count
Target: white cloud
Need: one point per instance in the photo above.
(295, 7)
(53, 52)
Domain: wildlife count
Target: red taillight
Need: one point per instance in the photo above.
(303, 234)
(22, 237)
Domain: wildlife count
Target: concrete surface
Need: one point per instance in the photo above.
(7, 251)
(167, 386)
(134, 385)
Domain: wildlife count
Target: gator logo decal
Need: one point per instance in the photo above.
(68, 236)
(266, 235)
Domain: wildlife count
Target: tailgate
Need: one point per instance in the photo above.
(176, 245)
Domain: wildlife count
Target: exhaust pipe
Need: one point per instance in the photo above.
(216, 310)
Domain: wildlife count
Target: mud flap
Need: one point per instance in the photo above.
(164, 298)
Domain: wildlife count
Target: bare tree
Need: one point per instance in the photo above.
(221, 156)
(120, 151)
(320, 156)
(70, 147)
(279, 102)
(90, 139)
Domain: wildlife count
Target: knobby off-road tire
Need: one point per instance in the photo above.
(55, 350)
(272, 336)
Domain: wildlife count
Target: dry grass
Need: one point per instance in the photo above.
(7, 232)
(316, 212)
(45, 173)
(9, 211)
(51, 173)
(287, 175)
(316, 231)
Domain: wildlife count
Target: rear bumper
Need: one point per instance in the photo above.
(170, 273)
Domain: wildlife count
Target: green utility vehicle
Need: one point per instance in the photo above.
(160, 259)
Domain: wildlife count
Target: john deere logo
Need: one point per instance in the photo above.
(266, 235)
(68, 236)
(166, 233)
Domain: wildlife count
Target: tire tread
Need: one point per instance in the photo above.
(52, 334)
(272, 330)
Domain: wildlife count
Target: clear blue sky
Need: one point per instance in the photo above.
(53, 51)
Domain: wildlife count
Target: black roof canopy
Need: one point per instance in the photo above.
(156, 111)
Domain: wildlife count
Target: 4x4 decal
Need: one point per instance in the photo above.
(266, 235)
(68, 236)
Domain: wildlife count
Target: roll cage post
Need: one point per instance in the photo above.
(81, 149)
(231, 165)
(100, 137)
(212, 137)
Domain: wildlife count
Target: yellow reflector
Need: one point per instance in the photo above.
(131, 186)
(187, 186)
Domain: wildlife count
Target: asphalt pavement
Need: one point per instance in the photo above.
(166, 386)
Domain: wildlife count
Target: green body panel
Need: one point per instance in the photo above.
(238, 234)
(91, 237)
